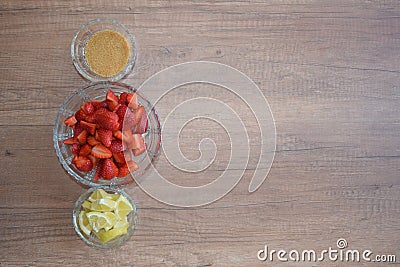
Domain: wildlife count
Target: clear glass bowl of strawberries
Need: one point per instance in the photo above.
(107, 134)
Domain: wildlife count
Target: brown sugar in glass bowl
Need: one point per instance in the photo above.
(103, 50)
(107, 53)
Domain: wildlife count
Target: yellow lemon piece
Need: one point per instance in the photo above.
(97, 194)
(86, 205)
(121, 223)
(84, 223)
(123, 207)
(103, 204)
(101, 220)
(106, 236)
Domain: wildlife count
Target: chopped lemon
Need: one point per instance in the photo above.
(121, 223)
(98, 194)
(105, 214)
(103, 204)
(84, 223)
(86, 205)
(101, 220)
(123, 207)
(106, 236)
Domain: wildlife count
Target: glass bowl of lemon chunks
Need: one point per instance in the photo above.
(104, 218)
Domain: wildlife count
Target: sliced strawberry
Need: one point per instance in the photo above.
(132, 165)
(88, 108)
(126, 117)
(138, 144)
(70, 141)
(112, 100)
(131, 100)
(82, 137)
(108, 169)
(91, 118)
(117, 134)
(101, 152)
(80, 115)
(127, 137)
(116, 146)
(97, 174)
(83, 163)
(93, 159)
(104, 136)
(91, 140)
(142, 123)
(107, 120)
(78, 129)
(85, 150)
(70, 121)
(119, 157)
(137, 141)
(99, 104)
(123, 171)
(90, 127)
(75, 148)
(122, 98)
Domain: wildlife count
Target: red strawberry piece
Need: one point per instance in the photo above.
(116, 146)
(97, 174)
(107, 120)
(80, 115)
(78, 129)
(132, 165)
(70, 121)
(117, 107)
(123, 171)
(108, 169)
(85, 150)
(122, 98)
(131, 100)
(99, 104)
(112, 100)
(82, 137)
(91, 118)
(91, 140)
(90, 127)
(88, 108)
(138, 144)
(101, 152)
(83, 163)
(75, 148)
(70, 141)
(119, 157)
(137, 141)
(104, 136)
(126, 117)
(127, 137)
(142, 122)
(117, 134)
(93, 159)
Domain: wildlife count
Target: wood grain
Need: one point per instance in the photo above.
(330, 71)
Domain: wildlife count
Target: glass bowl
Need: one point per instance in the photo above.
(97, 91)
(83, 35)
(93, 240)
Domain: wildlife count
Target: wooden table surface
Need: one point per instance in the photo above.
(330, 71)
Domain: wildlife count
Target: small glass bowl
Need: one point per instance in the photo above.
(83, 35)
(97, 91)
(93, 240)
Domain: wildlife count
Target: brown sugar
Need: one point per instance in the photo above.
(107, 53)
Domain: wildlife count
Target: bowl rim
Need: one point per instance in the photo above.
(125, 237)
(79, 178)
(129, 66)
